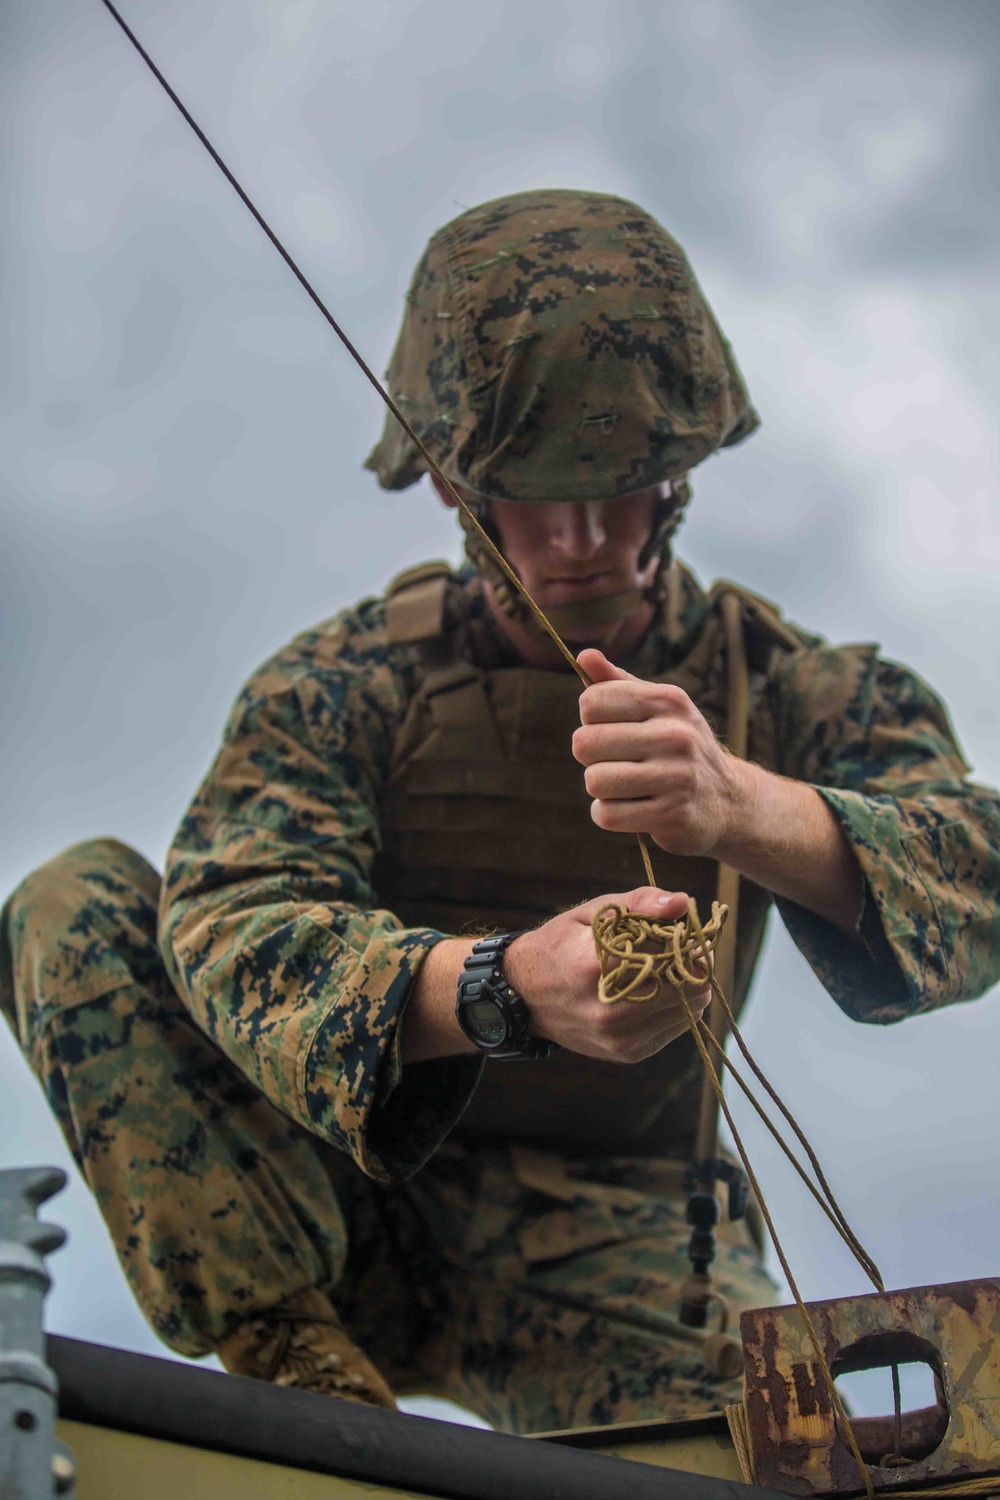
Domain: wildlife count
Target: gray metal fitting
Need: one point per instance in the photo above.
(33, 1465)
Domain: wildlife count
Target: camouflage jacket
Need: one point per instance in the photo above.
(272, 931)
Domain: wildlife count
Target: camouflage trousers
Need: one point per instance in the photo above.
(537, 1290)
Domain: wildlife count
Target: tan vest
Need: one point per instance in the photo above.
(486, 827)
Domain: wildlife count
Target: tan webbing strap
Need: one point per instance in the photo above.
(737, 734)
(764, 614)
(415, 600)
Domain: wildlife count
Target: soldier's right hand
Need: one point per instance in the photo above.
(555, 968)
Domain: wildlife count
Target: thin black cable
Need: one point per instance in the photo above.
(248, 202)
(373, 379)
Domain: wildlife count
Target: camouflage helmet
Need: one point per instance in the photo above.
(556, 346)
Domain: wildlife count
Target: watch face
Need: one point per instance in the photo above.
(485, 1021)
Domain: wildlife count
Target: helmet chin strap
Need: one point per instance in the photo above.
(588, 614)
(592, 613)
(667, 516)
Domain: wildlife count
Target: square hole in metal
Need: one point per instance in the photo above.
(865, 1383)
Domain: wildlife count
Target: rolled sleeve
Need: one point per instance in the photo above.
(876, 744)
(269, 923)
(357, 1093)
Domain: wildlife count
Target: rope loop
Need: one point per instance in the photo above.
(638, 955)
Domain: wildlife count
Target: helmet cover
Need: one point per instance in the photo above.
(556, 346)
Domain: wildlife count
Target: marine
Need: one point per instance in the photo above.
(340, 1081)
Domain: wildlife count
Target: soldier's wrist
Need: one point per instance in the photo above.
(744, 802)
(521, 970)
(428, 1028)
(491, 1010)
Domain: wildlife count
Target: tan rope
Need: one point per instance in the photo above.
(840, 1414)
(684, 960)
(829, 1203)
(834, 1210)
(639, 955)
(739, 1431)
(706, 1147)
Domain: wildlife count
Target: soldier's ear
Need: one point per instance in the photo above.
(443, 494)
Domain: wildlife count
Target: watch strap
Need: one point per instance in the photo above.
(483, 978)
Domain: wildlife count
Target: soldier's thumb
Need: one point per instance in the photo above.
(645, 901)
(599, 669)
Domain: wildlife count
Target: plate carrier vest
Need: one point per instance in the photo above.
(486, 827)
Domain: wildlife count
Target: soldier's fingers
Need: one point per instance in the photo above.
(599, 669)
(647, 900)
(614, 780)
(618, 702)
(697, 996)
(622, 815)
(679, 1028)
(648, 1041)
(666, 1009)
(640, 739)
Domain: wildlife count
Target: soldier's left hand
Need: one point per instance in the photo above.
(653, 763)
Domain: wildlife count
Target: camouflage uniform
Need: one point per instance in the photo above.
(236, 1097)
(536, 1290)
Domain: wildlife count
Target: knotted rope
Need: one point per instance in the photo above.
(639, 955)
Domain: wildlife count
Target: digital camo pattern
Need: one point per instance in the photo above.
(246, 1124)
(877, 744)
(269, 923)
(537, 1293)
(272, 932)
(171, 1138)
(556, 346)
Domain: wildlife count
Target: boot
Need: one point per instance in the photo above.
(301, 1343)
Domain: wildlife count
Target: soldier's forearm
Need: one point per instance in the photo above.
(787, 838)
(429, 1027)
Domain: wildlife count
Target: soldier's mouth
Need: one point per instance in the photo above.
(581, 586)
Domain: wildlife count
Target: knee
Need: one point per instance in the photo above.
(77, 928)
(95, 888)
(92, 869)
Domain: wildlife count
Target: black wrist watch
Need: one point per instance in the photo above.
(490, 1011)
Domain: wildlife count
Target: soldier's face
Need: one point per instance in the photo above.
(574, 552)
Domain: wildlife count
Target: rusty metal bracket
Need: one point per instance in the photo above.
(793, 1439)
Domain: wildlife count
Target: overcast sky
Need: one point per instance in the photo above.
(181, 437)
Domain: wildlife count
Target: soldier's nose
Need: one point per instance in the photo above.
(578, 529)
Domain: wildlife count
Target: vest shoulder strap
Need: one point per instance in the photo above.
(415, 602)
(764, 617)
